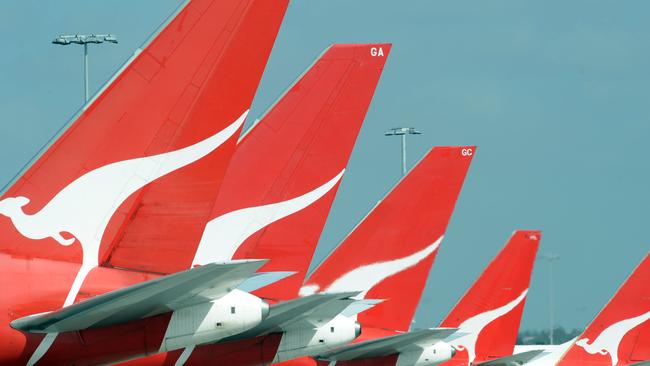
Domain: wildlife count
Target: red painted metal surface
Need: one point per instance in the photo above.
(505, 279)
(197, 77)
(32, 284)
(304, 141)
(409, 220)
(172, 212)
(618, 335)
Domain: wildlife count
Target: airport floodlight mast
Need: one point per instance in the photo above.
(550, 258)
(85, 39)
(403, 131)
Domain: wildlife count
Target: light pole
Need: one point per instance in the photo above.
(85, 39)
(403, 131)
(550, 258)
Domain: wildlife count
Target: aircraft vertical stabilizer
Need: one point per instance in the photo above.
(489, 314)
(389, 254)
(620, 333)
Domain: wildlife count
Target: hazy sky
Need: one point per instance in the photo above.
(554, 93)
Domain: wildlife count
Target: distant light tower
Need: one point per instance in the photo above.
(85, 39)
(550, 258)
(403, 131)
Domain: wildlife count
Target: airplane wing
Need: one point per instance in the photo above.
(388, 345)
(516, 359)
(145, 299)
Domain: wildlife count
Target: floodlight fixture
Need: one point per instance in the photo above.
(399, 131)
(403, 131)
(85, 39)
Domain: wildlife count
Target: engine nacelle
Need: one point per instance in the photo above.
(234, 313)
(427, 356)
(307, 341)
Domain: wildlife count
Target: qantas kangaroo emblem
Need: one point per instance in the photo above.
(223, 235)
(473, 326)
(609, 339)
(85, 206)
(366, 277)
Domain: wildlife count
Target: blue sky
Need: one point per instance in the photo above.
(554, 93)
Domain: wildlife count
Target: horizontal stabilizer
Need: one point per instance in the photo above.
(157, 296)
(263, 279)
(516, 359)
(382, 347)
(359, 306)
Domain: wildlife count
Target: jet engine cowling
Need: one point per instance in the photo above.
(208, 322)
(309, 341)
(430, 355)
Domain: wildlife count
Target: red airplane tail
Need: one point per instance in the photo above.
(620, 333)
(282, 180)
(389, 254)
(489, 313)
(139, 163)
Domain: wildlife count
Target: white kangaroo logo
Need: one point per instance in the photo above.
(608, 341)
(366, 277)
(473, 326)
(223, 235)
(85, 206)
